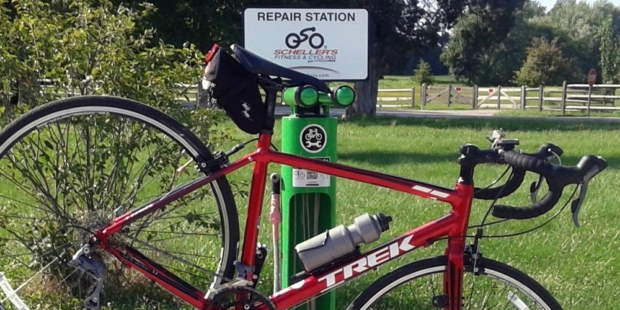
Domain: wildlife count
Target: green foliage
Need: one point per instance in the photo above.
(477, 49)
(423, 73)
(545, 64)
(87, 49)
(103, 161)
(205, 22)
(610, 53)
(482, 58)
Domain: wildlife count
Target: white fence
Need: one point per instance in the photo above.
(569, 97)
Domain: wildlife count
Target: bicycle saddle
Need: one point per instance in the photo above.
(259, 65)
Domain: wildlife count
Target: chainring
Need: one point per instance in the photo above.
(246, 297)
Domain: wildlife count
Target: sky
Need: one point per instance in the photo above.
(550, 3)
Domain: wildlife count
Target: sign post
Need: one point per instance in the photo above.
(591, 81)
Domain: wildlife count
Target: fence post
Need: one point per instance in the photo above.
(413, 97)
(474, 102)
(564, 88)
(541, 94)
(499, 97)
(589, 97)
(523, 95)
(449, 94)
(423, 98)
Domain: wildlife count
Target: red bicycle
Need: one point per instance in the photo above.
(64, 237)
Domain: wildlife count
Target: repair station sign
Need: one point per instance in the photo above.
(329, 44)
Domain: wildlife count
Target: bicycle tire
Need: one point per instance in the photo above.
(492, 269)
(150, 124)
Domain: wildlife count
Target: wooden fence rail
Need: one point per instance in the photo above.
(568, 97)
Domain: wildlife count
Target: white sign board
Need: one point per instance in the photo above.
(329, 44)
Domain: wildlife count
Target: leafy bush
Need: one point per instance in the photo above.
(545, 64)
(91, 47)
(86, 49)
(423, 73)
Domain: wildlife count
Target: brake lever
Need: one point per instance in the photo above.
(583, 189)
(535, 186)
(575, 206)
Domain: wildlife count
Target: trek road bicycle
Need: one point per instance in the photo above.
(106, 202)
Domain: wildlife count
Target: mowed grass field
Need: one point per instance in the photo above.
(579, 266)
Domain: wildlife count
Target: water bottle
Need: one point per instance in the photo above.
(341, 240)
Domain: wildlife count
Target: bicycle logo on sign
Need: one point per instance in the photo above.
(299, 174)
(294, 40)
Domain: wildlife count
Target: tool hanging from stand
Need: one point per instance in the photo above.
(275, 217)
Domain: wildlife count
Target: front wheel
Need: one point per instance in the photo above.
(415, 285)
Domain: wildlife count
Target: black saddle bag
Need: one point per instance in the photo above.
(236, 91)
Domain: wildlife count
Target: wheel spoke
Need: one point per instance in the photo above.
(69, 176)
(401, 288)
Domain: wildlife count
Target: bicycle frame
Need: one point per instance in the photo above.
(452, 225)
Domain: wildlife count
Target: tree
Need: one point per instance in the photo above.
(610, 53)
(431, 56)
(545, 64)
(204, 23)
(423, 73)
(479, 54)
(577, 23)
(416, 26)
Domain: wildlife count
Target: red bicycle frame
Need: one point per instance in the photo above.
(452, 225)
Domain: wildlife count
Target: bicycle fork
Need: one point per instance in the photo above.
(452, 298)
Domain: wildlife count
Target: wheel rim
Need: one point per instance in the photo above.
(73, 171)
(489, 290)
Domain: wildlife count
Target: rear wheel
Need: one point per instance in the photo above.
(70, 167)
(415, 285)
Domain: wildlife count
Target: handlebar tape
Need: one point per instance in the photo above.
(543, 206)
(557, 177)
(502, 191)
(518, 175)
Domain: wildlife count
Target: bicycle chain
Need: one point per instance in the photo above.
(245, 297)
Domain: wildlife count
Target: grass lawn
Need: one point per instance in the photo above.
(577, 265)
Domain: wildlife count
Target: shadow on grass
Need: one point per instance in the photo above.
(508, 125)
(387, 158)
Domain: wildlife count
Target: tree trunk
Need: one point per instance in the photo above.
(365, 97)
(366, 91)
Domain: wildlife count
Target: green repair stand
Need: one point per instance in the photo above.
(308, 198)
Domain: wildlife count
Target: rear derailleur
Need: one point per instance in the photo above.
(96, 270)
